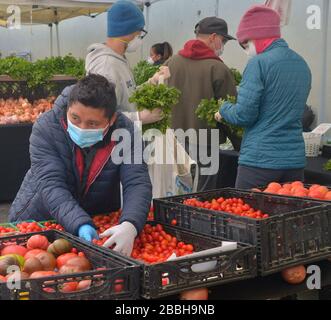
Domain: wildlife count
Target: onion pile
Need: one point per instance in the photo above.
(13, 111)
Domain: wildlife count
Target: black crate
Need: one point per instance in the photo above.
(118, 280)
(171, 277)
(297, 232)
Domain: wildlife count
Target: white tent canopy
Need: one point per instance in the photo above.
(46, 12)
(51, 12)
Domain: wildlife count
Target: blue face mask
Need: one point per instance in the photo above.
(85, 138)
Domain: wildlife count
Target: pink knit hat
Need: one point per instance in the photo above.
(259, 22)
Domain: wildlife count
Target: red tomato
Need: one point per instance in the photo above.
(174, 222)
(14, 249)
(195, 294)
(32, 253)
(68, 287)
(38, 242)
(64, 258)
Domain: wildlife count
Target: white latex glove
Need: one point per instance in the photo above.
(122, 236)
(148, 117)
(218, 117)
(164, 73)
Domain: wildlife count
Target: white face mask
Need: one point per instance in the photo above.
(135, 44)
(150, 60)
(220, 51)
(251, 50)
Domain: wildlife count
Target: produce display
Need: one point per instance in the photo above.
(39, 73)
(233, 206)
(51, 225)
(206, 112)
(28, 227)
(143, 71)
(106, 221)
(150, 97)
(5, 229)
(297, 189)
(13, 111)
(154, 245)
(39, 258)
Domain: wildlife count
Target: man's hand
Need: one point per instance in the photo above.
(87, 232)
(122, 236)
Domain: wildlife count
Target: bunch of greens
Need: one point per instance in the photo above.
(39, 73)
(150, 97)
(143, 71)
(207, 109)
(327, 166)
(237, 76)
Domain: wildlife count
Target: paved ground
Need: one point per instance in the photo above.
(4, 207)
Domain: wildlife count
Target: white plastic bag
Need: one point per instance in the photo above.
(170, 168)
(283, 7)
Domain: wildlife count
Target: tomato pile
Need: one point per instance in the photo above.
(38, 258)
(106, 221)
(52, 226)
(100, 242)
(154, 245)
(234, 206)
(28, 227)
(297, 189)
(21, 110)
(4, 230)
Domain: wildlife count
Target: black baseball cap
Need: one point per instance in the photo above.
(212, 25)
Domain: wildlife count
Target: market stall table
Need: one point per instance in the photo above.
(271, 288)
(314, 171)
(15, 158)
(14, 138)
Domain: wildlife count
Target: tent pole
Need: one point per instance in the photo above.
(57, 39)
(51, 39)
(324, 60)
(217, 8)
(146, 12)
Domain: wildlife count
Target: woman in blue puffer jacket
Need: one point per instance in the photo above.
(270, 104)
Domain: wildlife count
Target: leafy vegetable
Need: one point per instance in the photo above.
(327, 166)
(207, 109)
(237, 76)
(39, 73)
(144, 71)
(149, 96)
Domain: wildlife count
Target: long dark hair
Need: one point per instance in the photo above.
(164, 50)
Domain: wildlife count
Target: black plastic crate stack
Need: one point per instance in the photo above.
(116, 280)
(172, 277)
(297, 232)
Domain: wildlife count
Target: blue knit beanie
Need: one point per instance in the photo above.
(124, 18)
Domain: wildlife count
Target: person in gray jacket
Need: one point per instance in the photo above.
(125, 34)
